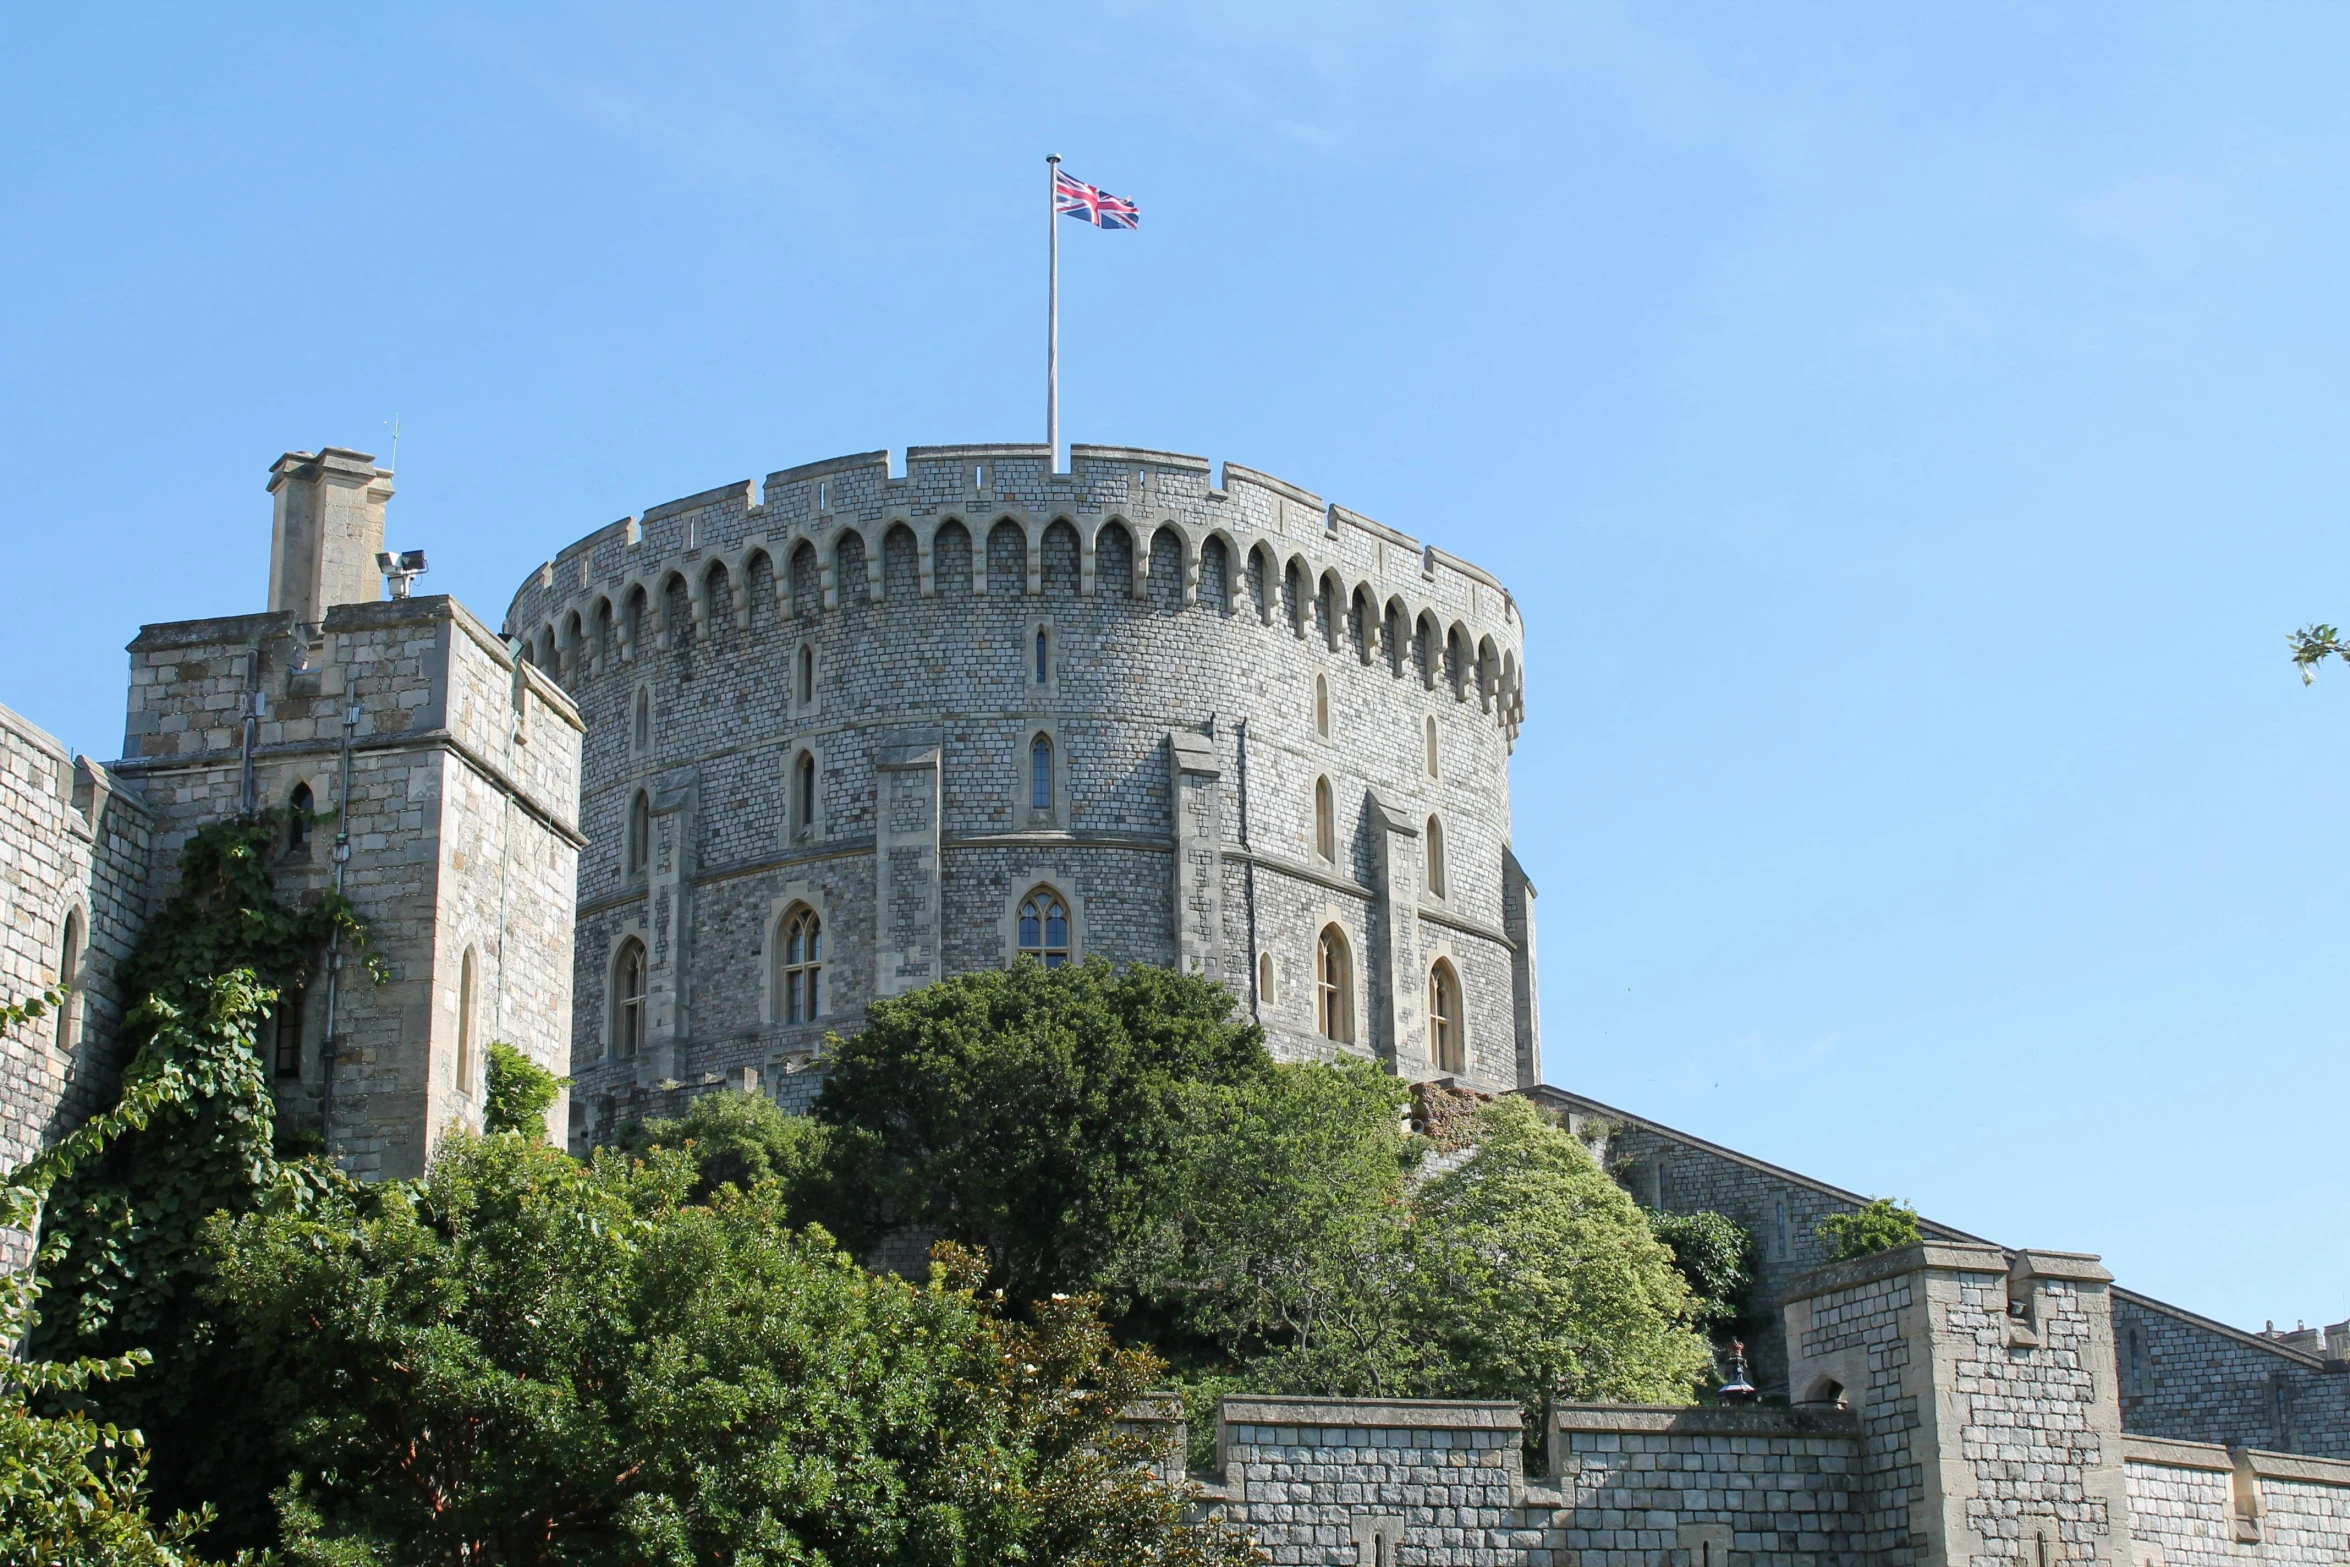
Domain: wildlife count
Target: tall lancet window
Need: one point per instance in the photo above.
(1040, 774)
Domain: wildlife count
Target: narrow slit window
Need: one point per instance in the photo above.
(1265, 978)
(644, 719)
(69, 975)
(299, 809)
(465, 1010)
(1042, 646)
(288, 1051)
(803, 806)
(1428, 746)
(1040, 774)
(1435, 857)
(1325, 820)
(640, 831)
(1322, 706)
(807, 676)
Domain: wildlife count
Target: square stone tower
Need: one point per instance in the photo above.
(421, 763)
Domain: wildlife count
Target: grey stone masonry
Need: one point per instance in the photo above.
(2197, 1504)
(74, 852)
(1706, 1486)
(1991, 1433)
(463, 775)
(1319, 1480)
(1217, 721)
(2195, 1380)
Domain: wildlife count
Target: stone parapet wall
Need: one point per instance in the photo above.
(2198, 1504)
(1778, 1488)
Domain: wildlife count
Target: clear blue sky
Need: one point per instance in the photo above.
(1909, 437)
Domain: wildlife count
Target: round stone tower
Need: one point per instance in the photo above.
(849, 732)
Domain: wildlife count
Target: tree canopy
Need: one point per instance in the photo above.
(1028, 1112)
(524, 1359)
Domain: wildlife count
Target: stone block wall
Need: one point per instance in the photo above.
(74, 854)
(2195, 1380)
(2197, 1504)
(1318, 1480)
(1706, 1486)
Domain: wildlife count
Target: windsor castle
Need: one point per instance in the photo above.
(732, 768)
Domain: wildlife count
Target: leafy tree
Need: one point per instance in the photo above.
(523, 1359)
(1885, 1224)
(124, 1238)
(1540, 1276)
(518, 1092)
(1283, 1240)
(1029, 1112)
(72, 1487)
(2313, 645)
(743, 1139)
(1714, 1255)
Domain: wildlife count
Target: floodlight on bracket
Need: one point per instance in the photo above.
(400, 570)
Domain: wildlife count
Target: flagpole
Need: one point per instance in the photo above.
(1052, 339)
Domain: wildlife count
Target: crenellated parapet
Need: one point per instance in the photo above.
(1254, 546)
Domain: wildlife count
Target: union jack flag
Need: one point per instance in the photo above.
(1076, 199)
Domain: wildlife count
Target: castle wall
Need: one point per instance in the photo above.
(463, 770)
(2195, 1380)
(1185, 626)
(74, 853)
(2195, 1504)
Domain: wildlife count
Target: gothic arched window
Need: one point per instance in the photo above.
(1265, 978)
(640, 831)
(1435, 857)
(1040, 773)
(799, 966)
(1444, 1020)
(1044, 927)
(628, 999)
(1333, 987)
(1325, 820)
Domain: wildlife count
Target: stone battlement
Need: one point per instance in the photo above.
(1256, 535)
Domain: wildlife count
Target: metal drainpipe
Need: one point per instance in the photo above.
(328, 1052)
(1248, 876)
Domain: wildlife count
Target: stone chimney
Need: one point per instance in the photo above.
(325, 531)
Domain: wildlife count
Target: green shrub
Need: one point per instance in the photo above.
(1885, 1224)
(519, 1092)
(1714, 1254)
